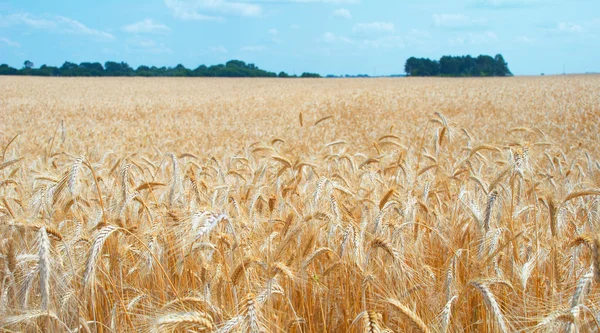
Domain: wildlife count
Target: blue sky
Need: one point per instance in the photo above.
(323, 36)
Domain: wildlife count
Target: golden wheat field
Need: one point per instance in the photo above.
(274, 205)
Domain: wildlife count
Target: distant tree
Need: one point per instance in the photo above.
(501, 66)
(201, 70)
(449, 65)
(68, 69)
(483, 65)
(92, 68)
(112, 68)
(421, 67)
(180, 70)
(233, 68)
(310, 75)
(466, 66)
(410, 65)
(47, 71)
(145, 71)
(236, 63)
(7, 70)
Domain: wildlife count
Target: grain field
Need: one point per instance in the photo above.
(292, 205)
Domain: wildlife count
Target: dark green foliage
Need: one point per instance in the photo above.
(7, 70)
(233, 68)
(483, 65)
(305, 74)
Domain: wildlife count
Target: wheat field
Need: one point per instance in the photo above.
(274, 205)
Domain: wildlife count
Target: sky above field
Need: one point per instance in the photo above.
(323, 36)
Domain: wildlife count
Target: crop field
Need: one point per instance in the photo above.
(300, 205)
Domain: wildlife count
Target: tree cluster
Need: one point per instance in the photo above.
(483, 65)
(233, 68)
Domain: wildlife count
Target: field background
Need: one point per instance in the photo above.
(300, 205)
(223, 116)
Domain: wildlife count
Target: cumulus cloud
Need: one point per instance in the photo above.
(146, 26)
(373, 27)
(377, 42)
(273, 31)
(218, 49)
(473, 38)
(75, 27)
(253, 48)
(570, 27)
(205, 10)
(386, 42)
(8, 42)
(53, 23)
(524, 39)
(342, 12)
(335, 2)
(507, 3)
(146, 45)
(330, 37)
(455, 21)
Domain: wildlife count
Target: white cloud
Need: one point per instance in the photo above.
(218, 49)
(473, 38)
(27, 20)
(253, 48)
(508, 3)
(342, 12)
(58, 24)
(196, 9)
(387, 42)
(330, 37)
(145, 45)
(9, 42)
(524, 39)
(146, 26)
(455, 21)
(416, 37)
(273, 31)
(569, 27)
(334, 2)
(374, 27)
(384, 42)
(75, 27)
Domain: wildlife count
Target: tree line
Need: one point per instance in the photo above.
(233, 68)
(483, 65)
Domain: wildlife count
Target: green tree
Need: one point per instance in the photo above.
(501, 67)
(235, 63)
(92, 68)
(233, 68)
(310, 75)
(112, 68)
(47, 71)
(7, 70)
(485, 66)
(68, 69)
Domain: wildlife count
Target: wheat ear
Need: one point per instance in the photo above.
(413, 319)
